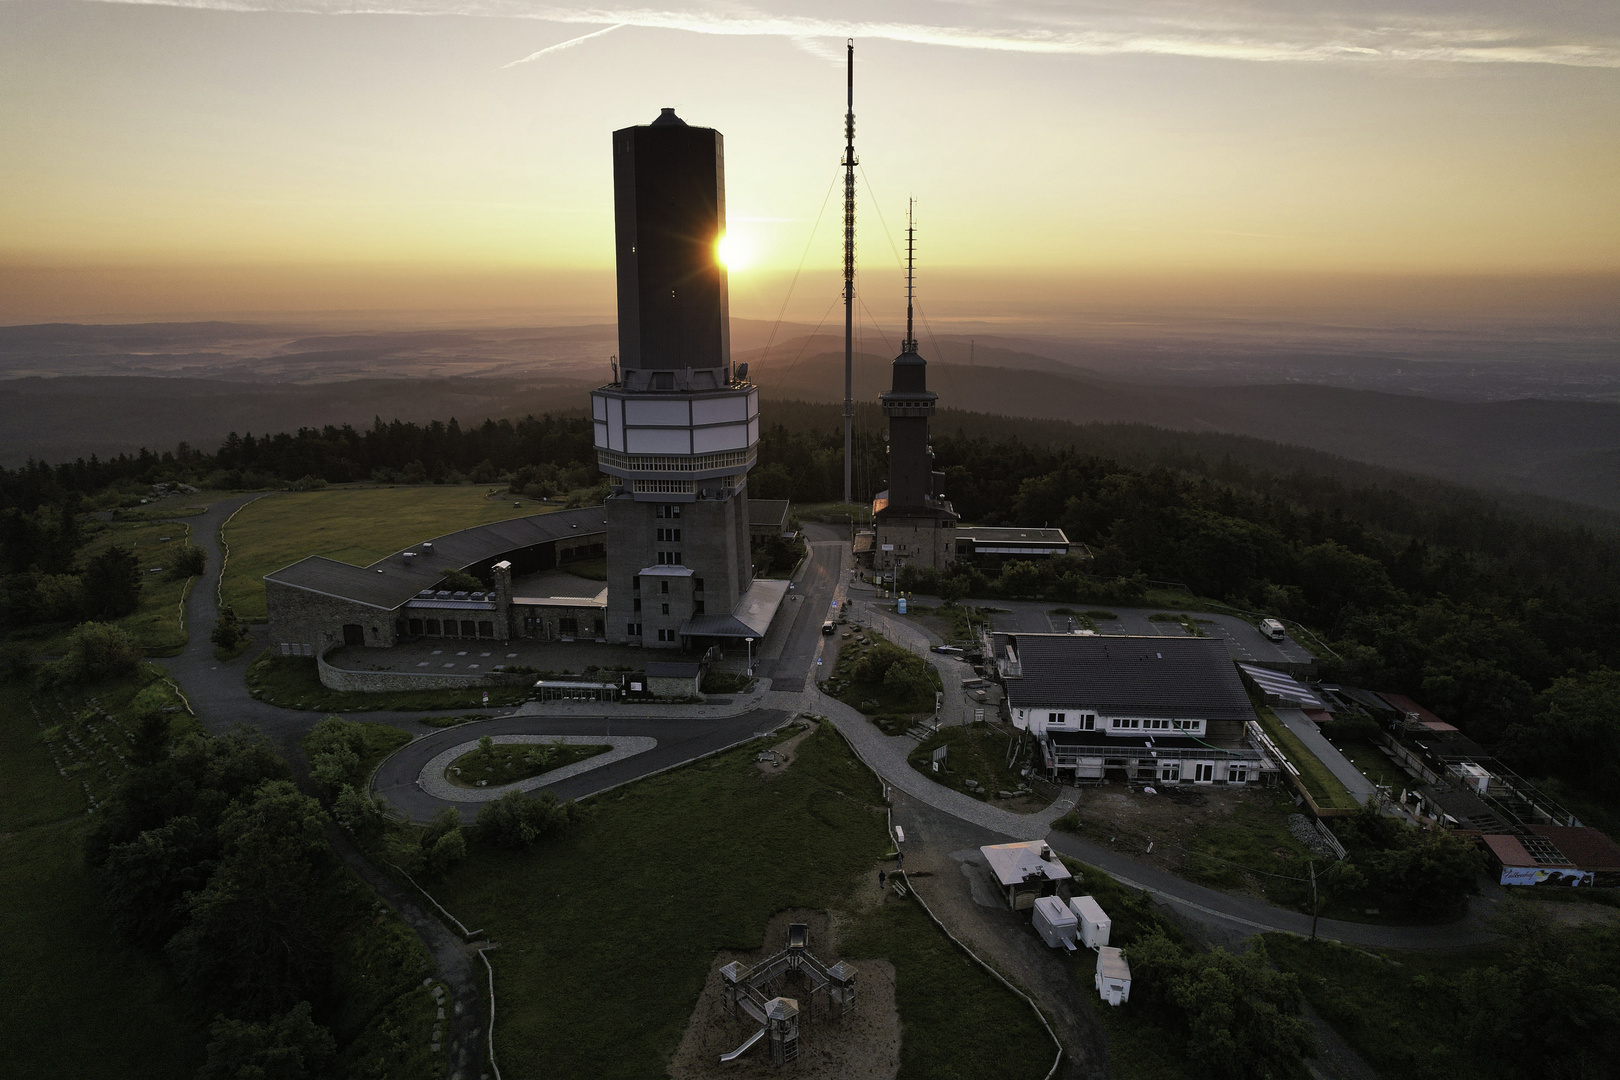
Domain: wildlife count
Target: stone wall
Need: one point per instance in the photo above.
(314, 622)
(376, 682)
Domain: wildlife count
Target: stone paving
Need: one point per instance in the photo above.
(432, 779)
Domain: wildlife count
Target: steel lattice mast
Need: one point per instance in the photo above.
(849, 281)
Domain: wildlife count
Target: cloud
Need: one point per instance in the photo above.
(1189, 30)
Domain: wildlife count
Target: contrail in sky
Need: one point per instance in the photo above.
(569, 44)
(1239, 33)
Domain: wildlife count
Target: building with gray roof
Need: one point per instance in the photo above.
(1159, 710)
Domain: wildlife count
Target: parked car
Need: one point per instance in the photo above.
(1273, 629)
(827, 627)
(947, 649)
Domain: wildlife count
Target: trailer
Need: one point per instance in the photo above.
(1113, 979)
(1054, 922)
(1093, 922)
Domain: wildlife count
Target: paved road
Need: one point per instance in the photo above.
(1339, 765)
(219, 696)
(678, 741)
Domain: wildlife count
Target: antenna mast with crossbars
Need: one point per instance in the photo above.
(849, 280)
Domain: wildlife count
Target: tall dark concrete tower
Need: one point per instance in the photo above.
(915, 524)
(677, 430)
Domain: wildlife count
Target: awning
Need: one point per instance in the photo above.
(750, 619)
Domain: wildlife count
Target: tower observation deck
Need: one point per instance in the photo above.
(678, 429)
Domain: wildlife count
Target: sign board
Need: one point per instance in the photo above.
(635, 688)
(939, 753)
(888, 547)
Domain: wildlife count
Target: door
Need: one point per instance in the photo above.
(354, 634)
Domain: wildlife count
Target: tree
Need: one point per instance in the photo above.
(148, 878)
(1434, 871)
(228, 631)
(256, 935)
(907, 678)
(96, 651)
(1241, 1018)
(363, 815)
(112, 584)
(519, 820)
(1575, 731)
(290, 1046)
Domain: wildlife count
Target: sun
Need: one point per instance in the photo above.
(732, 252)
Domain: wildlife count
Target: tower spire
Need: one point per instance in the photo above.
(849, 164)
(910, 344)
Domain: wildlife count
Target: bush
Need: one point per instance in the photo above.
(228, 632)
(189, 561)
(518, 820)
(96, 651)
(290, 1046)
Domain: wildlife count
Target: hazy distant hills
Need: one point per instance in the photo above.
(1564, 449)
(118, 388)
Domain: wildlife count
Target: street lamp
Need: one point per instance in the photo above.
(750, 656)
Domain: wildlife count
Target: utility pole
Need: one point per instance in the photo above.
(850, 162)
(1313, 900)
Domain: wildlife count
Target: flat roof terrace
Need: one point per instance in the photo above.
(390, 581)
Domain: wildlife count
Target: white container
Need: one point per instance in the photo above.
(1054, 922)
(1093, 922)
(1113, 979)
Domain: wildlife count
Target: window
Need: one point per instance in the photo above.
(663, 587)
(697, 607)
(666, 635)
(1170, 771)
(635, 605)
(1204, 772)
(635, 583)
(1237, 772)
(669, 536)
(669, 558)
(633, 629)
(668, 510)
(568, 627)
(1054, 718)
(697, 584)
(1088, 722)
(666, 610)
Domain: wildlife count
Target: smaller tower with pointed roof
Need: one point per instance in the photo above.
(914, 523)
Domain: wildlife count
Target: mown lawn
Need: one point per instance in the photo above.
(353, 525)
(78, 1001)
(607, 933)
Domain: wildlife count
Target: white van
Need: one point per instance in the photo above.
(1273, 629)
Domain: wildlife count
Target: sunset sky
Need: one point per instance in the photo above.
(261, 155)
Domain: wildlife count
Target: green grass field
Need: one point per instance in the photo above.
(977, 752)
(1325, 788)
(608, 932)
(79, 1002)
(353, 525)
(156, 624)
